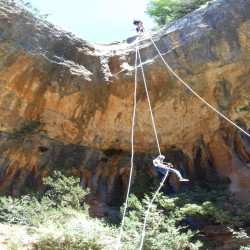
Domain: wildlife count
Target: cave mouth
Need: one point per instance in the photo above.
(116, 197)
(114, 65)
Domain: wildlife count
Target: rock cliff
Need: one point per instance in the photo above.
(66, 103)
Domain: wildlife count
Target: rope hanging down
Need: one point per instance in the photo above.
(158, 145)
(147, 212)
(151, 113)
(132, 136)
(195, 92)
(132, 141)
(132, 150)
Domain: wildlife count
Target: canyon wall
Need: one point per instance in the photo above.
(66, 103)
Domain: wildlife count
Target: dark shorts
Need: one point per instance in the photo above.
(137, 29)
(161, 170)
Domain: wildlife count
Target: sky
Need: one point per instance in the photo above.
(96, 20)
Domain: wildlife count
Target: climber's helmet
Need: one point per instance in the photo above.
(161, 157)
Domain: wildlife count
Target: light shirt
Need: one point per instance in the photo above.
(157, 162)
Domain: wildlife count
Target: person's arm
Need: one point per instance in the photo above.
(161, 165)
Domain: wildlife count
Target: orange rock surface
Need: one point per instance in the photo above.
(79, 95)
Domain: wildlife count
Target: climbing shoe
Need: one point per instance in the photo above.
(182, 179)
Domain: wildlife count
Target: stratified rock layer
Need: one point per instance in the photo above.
(67, 103)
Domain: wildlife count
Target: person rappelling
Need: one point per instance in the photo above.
(164, 168)
(139, 25)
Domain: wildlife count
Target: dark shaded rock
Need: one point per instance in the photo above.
(82, 93)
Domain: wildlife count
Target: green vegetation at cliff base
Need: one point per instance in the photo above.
(58, 219)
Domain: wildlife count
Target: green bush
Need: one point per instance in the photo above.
(166, 11)
(18, 211)
(59, 219)
(162, 231)
(244, 108)
(71, 229)
(217, 204)
(63, 191)
(31, 9)
(167, 227)
(28, 127)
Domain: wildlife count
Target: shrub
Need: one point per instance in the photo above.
(166, 11)
(31, 9)
(168, 225)
(18, 211)
(163, 231)
(28, 127)
(217, 204)
(60, 221)
(63, 191)
(244, 108)
(77, 231)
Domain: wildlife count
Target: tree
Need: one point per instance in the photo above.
(166, 11)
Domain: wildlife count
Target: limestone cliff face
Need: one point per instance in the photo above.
(66, 102)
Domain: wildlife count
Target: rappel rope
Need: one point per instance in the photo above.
(152, 117)
(158, 145)
(155, 132)
(149, 207)
(132, 150)
(195, 92)
(147, 212)
(132, 139)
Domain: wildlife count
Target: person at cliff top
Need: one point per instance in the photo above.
(139, 25)
(161, 167)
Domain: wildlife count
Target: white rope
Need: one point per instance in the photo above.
(156, 137)
(147, 212)
(152, 117)
(196, 93)
(132, 151)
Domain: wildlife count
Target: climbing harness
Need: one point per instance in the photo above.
(137, 55)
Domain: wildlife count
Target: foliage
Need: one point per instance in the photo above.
(244, 108)
(18, 211)
(144, 183)
(16, 234)
(215, 205)
(168, 218)
(166, 11)
(66, 228)
(163, 231)
(29, 8)
(242, 235)
(75, 230)
(27, 128)
(59, 219)
(63, 191)
(240, 123)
